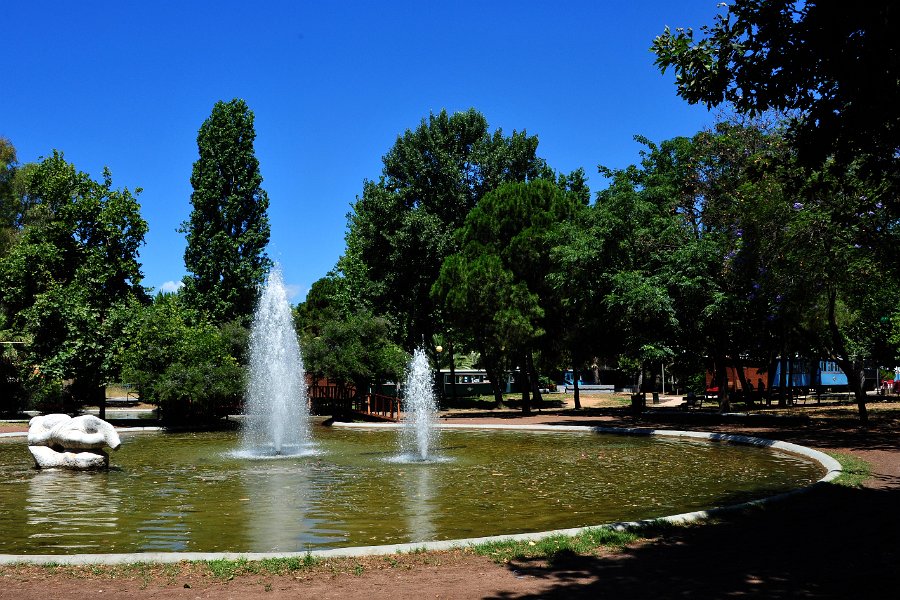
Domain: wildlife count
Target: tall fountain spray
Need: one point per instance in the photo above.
(276, 410)
(419, 435)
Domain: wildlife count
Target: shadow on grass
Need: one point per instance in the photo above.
(834, 542)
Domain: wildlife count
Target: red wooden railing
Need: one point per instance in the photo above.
(340, 400)
(386, 407)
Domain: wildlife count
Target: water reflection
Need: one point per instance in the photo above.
(419, 494)
(73, 510)
(165, 526)
(282, 501)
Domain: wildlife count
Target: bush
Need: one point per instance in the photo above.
(48, 395)
(13, 397)
(547, 383)
(184, 364)
(201, 392)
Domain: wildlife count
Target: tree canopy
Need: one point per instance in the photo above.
(833, 70)
(181, 362)
(835, 73)
(71, 267)
(228, 228)
(402, 227)
(496, 287)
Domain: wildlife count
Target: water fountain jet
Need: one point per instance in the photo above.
(276, 408)
(419, 435)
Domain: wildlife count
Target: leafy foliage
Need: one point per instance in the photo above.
(402, 226)
(10, 209)
(71, 267)
(183, 363)
(343, 343)
(836, 71)
(356, 349)
(495, 288)
(228, 229)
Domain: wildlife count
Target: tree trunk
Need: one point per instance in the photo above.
(790, 385)
(526, 398)
(742, 377)
(576, 395)
(722, 383)
(100, 393)
(770, 377)
(494, 377)
(782, 371)
(525, 383)
(855, 376)
(533, 378)
(638, 399)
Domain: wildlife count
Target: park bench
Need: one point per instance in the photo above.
(591, 387)
(692, 400)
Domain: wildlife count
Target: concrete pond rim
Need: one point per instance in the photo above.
(832, 467)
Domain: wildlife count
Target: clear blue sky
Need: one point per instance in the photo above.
(332, 85)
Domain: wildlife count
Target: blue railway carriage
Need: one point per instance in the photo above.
(803, 373)
(831, 376)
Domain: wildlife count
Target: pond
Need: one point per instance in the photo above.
(190, 492)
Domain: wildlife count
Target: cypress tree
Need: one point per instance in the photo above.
(228, 229)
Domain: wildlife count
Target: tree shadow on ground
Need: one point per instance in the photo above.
(824, 433)
(833, 542)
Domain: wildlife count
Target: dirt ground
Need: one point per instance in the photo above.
(834, 542)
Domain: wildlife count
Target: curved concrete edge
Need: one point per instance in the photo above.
(12, 434)
(833, 470)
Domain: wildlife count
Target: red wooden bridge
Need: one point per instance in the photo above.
(329, 398)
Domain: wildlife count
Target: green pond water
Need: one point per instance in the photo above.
(188, 492)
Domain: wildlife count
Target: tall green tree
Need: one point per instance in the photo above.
(402, 227)
(632, 233)
(834, 273)
(228, 229)
(9, 205)
(678, 242)
(496, 287)
(73, 264)
(733, 251)
(328, 299)
(343, 340)
(726, 181)
(836, 73)
(354, 349)
(11, 393)
(585, 253)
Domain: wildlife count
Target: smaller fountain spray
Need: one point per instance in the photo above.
(420, 433)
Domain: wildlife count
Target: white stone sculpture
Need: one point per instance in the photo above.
(60, 441)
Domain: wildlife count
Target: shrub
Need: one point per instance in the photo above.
(182, 363)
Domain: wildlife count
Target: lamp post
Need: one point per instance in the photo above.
(438, 349)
